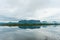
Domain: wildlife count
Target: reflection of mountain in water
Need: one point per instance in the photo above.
(35, 27)
(29, 22)
(29, 27)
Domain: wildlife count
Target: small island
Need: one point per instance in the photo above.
(29, 23)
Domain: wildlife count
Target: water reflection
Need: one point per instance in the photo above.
(44, 26)
(51, 32)
(35, 27)
(29, 27)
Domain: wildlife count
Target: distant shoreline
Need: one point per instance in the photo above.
(18, 24)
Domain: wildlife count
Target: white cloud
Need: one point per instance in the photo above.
(47, 12)
(21, 8)
(36, 9)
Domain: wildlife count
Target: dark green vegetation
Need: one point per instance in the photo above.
(18, 24)
(29, 23)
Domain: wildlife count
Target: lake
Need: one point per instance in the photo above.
(51, 32)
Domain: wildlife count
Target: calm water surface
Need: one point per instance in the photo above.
(30, 33)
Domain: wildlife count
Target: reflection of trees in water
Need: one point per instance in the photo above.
(29, 27)
(44, 26)
(35, 27)
(54, 25)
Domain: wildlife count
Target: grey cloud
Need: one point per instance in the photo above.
(26, 8)
(54, 3)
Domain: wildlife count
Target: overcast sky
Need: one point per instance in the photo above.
(30, 9)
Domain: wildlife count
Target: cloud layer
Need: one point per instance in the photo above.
(29, 9)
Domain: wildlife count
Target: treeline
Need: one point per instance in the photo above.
(18, 24)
